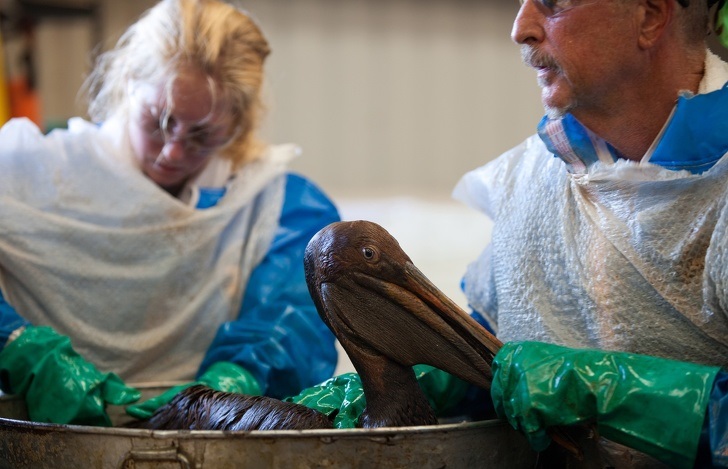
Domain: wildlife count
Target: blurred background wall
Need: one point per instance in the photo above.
(390, 100)
(385, 96)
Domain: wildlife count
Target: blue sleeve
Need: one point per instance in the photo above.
(713, 445)
(9, 321)
(278, 335)
(479, 317)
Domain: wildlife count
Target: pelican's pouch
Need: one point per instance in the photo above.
(443, 390)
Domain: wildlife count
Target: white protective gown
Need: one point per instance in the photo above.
(613, 255)
(138, 279)
(598, 261)
(622, 256)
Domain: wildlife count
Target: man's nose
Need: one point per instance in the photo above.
(527, 27)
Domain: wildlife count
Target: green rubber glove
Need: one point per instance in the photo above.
(442, 389)
(721, 23)
(221, 376)
(58, 385)
(343, 395)
(651, 404)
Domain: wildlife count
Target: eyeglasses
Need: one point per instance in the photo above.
(555, 7)
(159, 124)
(199, 140)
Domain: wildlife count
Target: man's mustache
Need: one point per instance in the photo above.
(537, 59)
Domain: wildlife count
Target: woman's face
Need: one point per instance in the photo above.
(175, 128)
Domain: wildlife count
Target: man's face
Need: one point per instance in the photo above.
(582, 50)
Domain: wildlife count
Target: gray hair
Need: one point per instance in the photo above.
(694, 21)
(220, 39)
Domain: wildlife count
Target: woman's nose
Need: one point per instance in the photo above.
(174, 150)
(527, 27)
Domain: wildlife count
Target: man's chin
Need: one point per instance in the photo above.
(555, 110)
(555, 113)
(556, 101)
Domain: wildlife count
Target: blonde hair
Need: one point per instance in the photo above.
(220, 39)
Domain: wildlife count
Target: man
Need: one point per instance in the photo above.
(609, 225)
(609, 231)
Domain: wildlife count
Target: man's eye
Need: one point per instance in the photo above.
(557, 6)
(554, 6)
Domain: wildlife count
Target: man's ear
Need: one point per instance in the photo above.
(655, 16)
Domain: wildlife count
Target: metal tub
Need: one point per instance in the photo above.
(25, 444)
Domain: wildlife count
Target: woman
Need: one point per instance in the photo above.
(167, 239)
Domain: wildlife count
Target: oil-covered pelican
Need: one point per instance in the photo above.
(202, 408)
(388, 316)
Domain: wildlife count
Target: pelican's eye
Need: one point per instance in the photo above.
(368, 252)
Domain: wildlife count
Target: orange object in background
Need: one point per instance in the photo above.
(18, 78)
(5, 113)
(24, 101)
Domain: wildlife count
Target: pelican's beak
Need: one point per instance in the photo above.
(445, 336)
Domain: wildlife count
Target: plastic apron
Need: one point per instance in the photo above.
(138, 280)
(614, 255)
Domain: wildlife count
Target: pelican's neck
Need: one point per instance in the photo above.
(394, 398)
